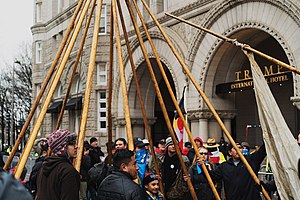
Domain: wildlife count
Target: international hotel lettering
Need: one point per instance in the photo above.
(243, 79)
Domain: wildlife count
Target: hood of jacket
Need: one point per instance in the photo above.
(51, 162)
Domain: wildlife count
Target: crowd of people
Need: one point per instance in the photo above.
(131, 174)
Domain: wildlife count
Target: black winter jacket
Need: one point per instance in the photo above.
(34, 173)
(120, 186)
(57, 180)
(238, 183)
(201, 185)
(84, 168)
(95, 154)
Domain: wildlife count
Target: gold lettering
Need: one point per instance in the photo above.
(241, 85)
(268, 70)
(237, 75)
(247, 74)
(278, 69)
(267, 79)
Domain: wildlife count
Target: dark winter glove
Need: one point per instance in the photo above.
(260, 185)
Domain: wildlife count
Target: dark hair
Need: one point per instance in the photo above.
(230, 146)
(121, 139)
(93, 139)
(188, 144)
(71, 139)
(122, 156)
(44, 147)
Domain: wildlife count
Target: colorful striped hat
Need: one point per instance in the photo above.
(57, 141)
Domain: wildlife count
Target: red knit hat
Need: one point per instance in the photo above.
(57, 141)
(199, 139)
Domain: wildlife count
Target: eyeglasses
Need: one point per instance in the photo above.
(203, 153)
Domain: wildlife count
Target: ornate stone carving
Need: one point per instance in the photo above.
(214, 14)
(197, 114)
(134, 121)
(206, 114)
(227, 114)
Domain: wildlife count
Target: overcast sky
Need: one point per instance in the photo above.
(16, 18)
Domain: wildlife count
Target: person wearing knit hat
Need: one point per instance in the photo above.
(171, 172)
(57, 141)
(57, 178)
(191, 154)
(151, 184)
(97, 156)
(169, 142)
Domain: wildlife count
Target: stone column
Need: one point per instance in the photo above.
(227, 123)
(199, 123)
(226, 118)
(203, 129)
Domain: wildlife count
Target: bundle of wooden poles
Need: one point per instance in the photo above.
(61, 59)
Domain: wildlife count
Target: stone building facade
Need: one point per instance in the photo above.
(220, 68)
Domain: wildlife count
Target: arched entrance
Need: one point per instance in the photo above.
(154, 113)
(232, 83)
(159, 128)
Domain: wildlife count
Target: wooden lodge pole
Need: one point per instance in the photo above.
(43, 87)
(211, 184)
(206, 100)
(161, 102)
(235, 42)
(75, 66)
(123, 79)
(44, 108)
(139, 95)
(89, 83)
(110, 88)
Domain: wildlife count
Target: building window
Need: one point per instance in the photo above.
(76, 85)
(74, 120)
(102, 102)
(58, 91)
(38, 51)
(38, 12)
(101, 74)
(103, 22)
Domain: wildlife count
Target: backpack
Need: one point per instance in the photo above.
(98, 172)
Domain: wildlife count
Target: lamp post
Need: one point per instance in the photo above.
(12, 107)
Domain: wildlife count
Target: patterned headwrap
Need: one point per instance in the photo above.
(58, 141)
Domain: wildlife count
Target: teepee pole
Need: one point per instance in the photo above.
(88, 89)
(139, 94)
(206, 100)
(235, 42)
(160, 99)
(75, 65)
(43, 87)
(123, 79)
(211, 184)
(44, 108)
(110, 84)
